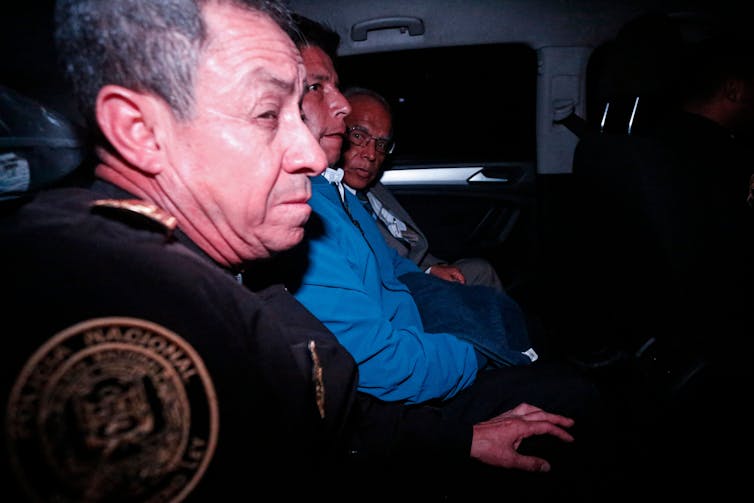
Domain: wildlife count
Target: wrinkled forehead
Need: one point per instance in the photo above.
(368, 112)
(237, 36)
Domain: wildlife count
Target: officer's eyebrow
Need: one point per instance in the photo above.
(264, 75)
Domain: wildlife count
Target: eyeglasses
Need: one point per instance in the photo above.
(357, 136)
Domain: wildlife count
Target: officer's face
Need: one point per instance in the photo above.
(241, 163)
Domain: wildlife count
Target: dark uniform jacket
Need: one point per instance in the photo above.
(136, 369)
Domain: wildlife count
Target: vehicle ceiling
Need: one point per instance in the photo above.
(537, 23)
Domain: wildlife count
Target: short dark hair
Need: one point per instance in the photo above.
(365, 91)
(148, 46)
(311, 33)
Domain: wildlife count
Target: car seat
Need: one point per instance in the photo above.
(39, 147)
(629, 283)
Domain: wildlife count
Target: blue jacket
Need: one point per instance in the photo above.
(351, 284)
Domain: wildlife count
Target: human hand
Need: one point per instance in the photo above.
(496, 441)
(448, 273)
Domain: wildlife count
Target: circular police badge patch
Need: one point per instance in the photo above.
(112, 409)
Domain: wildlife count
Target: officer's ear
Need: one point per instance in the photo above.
(132, 122)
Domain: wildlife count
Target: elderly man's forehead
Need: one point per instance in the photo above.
(252, 41)
(227, 21)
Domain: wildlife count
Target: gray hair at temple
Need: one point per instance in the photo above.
(146, 45)
(364, 91)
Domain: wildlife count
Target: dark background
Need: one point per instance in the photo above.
(28, 63)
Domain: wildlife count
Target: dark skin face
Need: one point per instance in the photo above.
(362, 164)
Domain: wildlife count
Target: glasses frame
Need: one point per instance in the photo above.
(367, 138)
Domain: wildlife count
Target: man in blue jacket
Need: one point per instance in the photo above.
(347, 276)
(351, 279)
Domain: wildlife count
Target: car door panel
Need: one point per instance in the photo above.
(477, 209)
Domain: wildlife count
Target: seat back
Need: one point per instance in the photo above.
(661, 241)
(38, 146)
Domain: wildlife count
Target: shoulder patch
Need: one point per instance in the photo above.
(112, 409)
(133, 209)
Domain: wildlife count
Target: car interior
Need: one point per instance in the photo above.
(518, 126)
(509, 113)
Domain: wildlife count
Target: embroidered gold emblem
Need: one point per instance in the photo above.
(112, 409)
(319, 384)
(143, 208)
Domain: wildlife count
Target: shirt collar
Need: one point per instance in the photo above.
(333, 175)
(350, 189)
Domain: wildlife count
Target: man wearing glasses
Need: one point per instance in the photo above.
(369, 142)
(347, 276)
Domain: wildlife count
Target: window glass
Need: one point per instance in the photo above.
(455, 103)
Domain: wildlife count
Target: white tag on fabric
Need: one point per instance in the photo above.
(533, 356)
(15, 175)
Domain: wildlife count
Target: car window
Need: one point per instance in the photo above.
(455, 103)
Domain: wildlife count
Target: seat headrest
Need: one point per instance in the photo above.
(38, 146)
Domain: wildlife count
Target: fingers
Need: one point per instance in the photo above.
(496, 442)
(531, 464)
(524, 408)
(550, 418)
(533, 413)
(448, 273)
(457, 275)
(548, 428)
